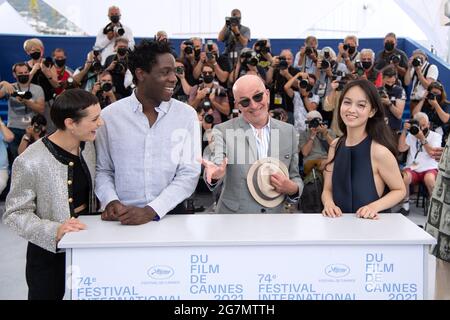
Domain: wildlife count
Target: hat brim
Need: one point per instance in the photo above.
(272, 203)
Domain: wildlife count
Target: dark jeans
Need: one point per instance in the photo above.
(45, 274)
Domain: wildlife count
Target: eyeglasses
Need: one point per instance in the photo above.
(256, 98)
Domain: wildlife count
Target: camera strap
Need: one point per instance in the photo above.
(416, 80)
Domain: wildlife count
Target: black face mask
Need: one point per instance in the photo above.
(122, 51)
(351, 50)
(23, 79)
(389, 46)
(35, 55)
(208, 78)
(60, 63)
(388, 87)
(114, 19)
(425, 131)
(366, 65)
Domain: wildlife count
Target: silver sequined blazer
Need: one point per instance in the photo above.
(40, 198)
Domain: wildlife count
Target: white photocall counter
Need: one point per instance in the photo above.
(248, 256)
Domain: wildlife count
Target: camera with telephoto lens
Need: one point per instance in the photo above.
(283, 65)
(304, 84)
(112, 28)
(309, 51)
(341, 85)
(210, 45)
(346, 47)
(121, 65)
(179, 70)
(219, 91)
(209, 55)
(106, 86)
(431, 96)
(415, 127)
(314, 123)
(38, 122)
(417, 62)
(119, 30)
(261, 47)
(395, 58)
(359, 68)
(325, 65)
(250, 58)
(208, 118)
(69, 84)
(48, 62)
(189, 49)
(27, 95)
(383, 93)
(232, 21)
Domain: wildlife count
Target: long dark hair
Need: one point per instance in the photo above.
(376, 127)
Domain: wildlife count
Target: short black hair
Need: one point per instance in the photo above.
(39, 119)
(71, 104)
(389, 72)
(144, 55)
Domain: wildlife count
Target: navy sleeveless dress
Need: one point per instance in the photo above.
(353, 181)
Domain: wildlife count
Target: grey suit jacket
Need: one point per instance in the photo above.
(234, 139)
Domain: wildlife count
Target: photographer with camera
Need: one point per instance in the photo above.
(86, 76)
(306, 58)
(43, 74)
(348, 52)
(34, 132)
(392, 55)
(219, 63)
(365, 68)
(210, 95)
(435, 105)
(25, 99)
(420, 75)
(314, 142)
(190, 51)
(234, 35)
(420, 165)
(280, 72)
(182, 88)
(107, 36)
(64, 73)
(393, 98)
(104, 89)
(263, 49)
(327, 67)
(247, 64)
(117, 65)
(303, 99)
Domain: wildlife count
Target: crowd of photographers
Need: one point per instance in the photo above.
(304, 87)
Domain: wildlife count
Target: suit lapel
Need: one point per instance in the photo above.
(274, 143)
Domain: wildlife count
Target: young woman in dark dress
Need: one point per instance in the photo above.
(362, 175)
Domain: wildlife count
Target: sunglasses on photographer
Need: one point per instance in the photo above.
(256, 98)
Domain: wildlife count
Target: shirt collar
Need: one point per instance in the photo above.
(137, 105)
(266, 127)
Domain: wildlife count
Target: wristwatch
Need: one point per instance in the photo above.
(26, 138)
(424, 142)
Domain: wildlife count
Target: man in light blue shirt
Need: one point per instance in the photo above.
(148, 149)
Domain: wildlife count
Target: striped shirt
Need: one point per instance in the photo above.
(262, 137)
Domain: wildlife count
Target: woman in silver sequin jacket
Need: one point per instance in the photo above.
(51, 184)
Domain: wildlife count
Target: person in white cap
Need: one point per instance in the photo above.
(254, 156)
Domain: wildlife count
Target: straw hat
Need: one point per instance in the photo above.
(258, 181)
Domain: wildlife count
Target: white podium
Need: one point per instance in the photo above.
(249, 256)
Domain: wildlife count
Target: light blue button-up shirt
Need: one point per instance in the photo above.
(142, 165)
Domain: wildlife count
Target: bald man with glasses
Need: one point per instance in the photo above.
(240, 142)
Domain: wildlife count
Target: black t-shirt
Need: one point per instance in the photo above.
(277, 91)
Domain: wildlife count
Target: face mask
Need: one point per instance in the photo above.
(23, 79)
(122, 51)
(60, 63)
(388, 87)
(425, 131)
(389, 46)
(35, 55)
(208, 79)
(366, 65)
(351, 50)
(114, 19)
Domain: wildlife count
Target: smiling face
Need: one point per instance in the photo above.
(356, 109)
(247, 90)
(158, 84)
(85, 128)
